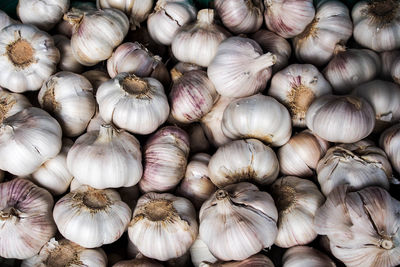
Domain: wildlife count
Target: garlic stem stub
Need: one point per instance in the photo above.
(301, 256)
(390, 142)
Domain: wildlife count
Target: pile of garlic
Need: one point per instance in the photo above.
(157, 133)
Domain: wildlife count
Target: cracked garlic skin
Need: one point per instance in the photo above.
(238, 221)
(301, 256)
(257, 260)
(362, 226)
(390, 142)
(26, 222)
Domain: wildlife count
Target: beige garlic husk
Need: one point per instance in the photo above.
(300, 155)
(349, 68)
(388, 58)
(301, 256)
(196, 185)
(240, 67)
(243, 160)
(69, 97)
(297, 86)
(11, 103)
(277, 45)
(138, 105)
(27, 140)
(199, 253)
(60, 253)
(167, 17)
(395, 70)
(288, 18)
(197, 138)
(390, 142)
(331, 25)
(181, 68)
(107, 158)
(362, 226)
(260, 117)
(5, 20)
(342, 119)
(138, 262)
(88, 47)
(44, 14)
(26, 222)
(96, 78)
(67, 59)
(91, 217)
(255, 260)
(197, 43)
(165, 159)
(163, 226)
(376, 24)
(238, 212)
(28, 57)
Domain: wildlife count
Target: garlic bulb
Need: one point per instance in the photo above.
(5, 20)
(168, 16)
(165, 159)
(297, 86)
(331, 26)
(90, 217)
(26, 223)
(28, 57)
(349, 68)
(288, 18)
(138, 105)
(277, 45)
(199, 253)
(67, 59)
(192, 96)
(44, 14)
(255, 260)
(257, 116)
(240, 68)
(240, 16)
(300, 256)
(388, 58)
(141, 262)
(344, 119)
(243, 160)
(395, 71)
(198, 139)
(59, 253)
(238, 221)
(96, 33)
(96, 78)
(390, 142)
(11, 103)
(300, 155)
(28, 139)
(108, 158)
(362, 226)
(297, 201)
(69, 97)
(163, 226)
(197, 43)
(74, 184)
(181, 68)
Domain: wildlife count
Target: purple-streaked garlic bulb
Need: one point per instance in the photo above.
(390, 142)
(181, 68)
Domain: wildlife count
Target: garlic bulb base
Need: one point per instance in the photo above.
(21, 53)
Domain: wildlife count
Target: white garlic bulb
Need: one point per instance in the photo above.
(96, 33)
(138, 105)
(198, 139)
(63, 252)
(168, 16)
(388, 58)
(165, 159)
(199, 253)
(255, 260)
(197, 43)
(390, 142)
(90, 217)
(344, 119)
(44, 14)
(258, 116)
(240, 68)
(11, 103)
(108, 158)
(288, 18)
(395, 71)
(238, 221)
(243, 160)
(28, 57)
(5, 20)
(297, 86)
(69, 96)
(349, 68)
(376, 24)
(163, 226)
(362, 226)
(301, 256)
(26, 223)
(67, 59)
(300, 155)
(28, 139)
(96, 78)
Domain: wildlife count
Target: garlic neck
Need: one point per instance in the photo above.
(136, 87)
(383, 12)
(106, 133)
(311, 30)
(354, 101)
(205, 16)
(21, 53)
(9, 214)
(74, 17)
(263, 62)
(339, 48)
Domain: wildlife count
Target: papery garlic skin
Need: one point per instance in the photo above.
(5, 20)
(342, 119)
(288, 18)
(67, 59)
(255, 260)
(296, 87)
(108, 158)
(26, 222)
(258, 116)
(388, 58)
(240, 68)
(390, 142)
(28, 139)
(300, 256)
(28, 57)
(199, 253)
(362, 226)
(12, 103)
(163, 226)
(395, 71)
(91, 217)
